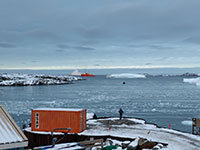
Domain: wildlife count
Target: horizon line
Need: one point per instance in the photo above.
(100, 67)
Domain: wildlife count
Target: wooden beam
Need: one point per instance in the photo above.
(93, 143)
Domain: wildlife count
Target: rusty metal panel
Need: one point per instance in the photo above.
(197, 122)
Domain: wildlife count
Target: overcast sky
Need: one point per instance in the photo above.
(61, 34)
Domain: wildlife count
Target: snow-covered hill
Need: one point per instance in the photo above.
(30, 79)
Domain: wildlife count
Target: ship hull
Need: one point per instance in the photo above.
(87, 75)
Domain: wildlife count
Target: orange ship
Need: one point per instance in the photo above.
(87, 75)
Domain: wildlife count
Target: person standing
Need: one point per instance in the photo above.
(120, 113)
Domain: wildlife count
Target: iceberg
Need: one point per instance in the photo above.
(187, 122)
(126, 75)
(192, 81)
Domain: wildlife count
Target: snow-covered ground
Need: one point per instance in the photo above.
(135, 129)
(176, 140)
(30, 79)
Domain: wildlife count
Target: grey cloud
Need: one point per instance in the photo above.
(195, 40)
(157, 47)
(42, 34)
(148, 64)
(11, 36)
(64, 46)
(7, 45)
(33, 35)
(84, 48)
(97, 65)
(135, 46)
(90, 42)
(93, 32)
(160, 47)
(154, 28)
(142, 21)
(60, 50)
(163, 58)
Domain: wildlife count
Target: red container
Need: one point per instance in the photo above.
(47, 119)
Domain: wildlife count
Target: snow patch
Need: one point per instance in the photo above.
(134, 143)
(140, 121)
(90, 115)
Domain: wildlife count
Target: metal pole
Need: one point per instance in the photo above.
(53, 140)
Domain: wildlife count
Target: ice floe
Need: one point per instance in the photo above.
(187, 122)
(192, 81)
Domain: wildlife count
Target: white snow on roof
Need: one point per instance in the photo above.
(8, 131)
(8, 134)
(42, 132)
(59, 109)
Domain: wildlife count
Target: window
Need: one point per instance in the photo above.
(36, 120)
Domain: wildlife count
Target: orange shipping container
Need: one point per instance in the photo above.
(47, 119)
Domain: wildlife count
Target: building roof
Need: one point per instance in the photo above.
(10, 134)
(58, 109)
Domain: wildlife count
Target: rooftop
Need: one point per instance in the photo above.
(10, 134)
(58, 109)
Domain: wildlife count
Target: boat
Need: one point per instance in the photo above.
(76, 73)
(87, 75)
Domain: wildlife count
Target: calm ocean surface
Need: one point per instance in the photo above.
(159, 100)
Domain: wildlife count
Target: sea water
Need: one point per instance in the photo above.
(160, 100)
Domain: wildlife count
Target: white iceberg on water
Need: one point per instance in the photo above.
(192, 81)
(126, 75)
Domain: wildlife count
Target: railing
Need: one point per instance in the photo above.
(55, 140)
